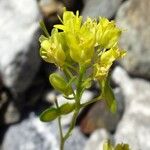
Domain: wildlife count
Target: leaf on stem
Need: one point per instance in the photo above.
(108, 95)
(49, 114)
(67, 108)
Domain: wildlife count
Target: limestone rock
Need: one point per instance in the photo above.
(133, 16)
(134, 128)
(32, 134)
(96, 140)
(104, 8)
(19, 51)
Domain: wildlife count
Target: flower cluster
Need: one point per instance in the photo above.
(92, 43)
(84, 51)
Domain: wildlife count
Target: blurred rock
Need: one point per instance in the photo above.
(3, 99)
(50, 10)
(32, 134)
(104, 8)
(130, 87)
(73, 5)
(76, 141)
(12, 114)
(134, 128)
(19, 56)
(122, 79)
(96, 140)
(51, 7)
(4, 103)
(100, 117)
(133, 16)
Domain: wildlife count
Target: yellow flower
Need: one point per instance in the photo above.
(80, 37)
(101, 68)
(71, 22)
(108, 34)
(52, 49)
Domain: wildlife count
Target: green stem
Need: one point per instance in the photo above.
(91, 101)
(71, 67)
(79, 84)
(77, 99)
(68, 75)
(73, 122)
(60, 129)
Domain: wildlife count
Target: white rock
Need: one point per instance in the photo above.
(96, 140)
(32, 134)
(133, 16)
(134, 128)
(104, 8)
(19, 56)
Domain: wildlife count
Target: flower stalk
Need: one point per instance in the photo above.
(76, 47)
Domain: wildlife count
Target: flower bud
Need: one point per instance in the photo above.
(60, 84)
(101, 68)
(45, 44)
(108, 33)
(52, 50)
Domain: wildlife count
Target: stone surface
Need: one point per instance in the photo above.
(32, 134)
(134, 128)
(51, 7)
(104, 8)
(96, 140)
(12, 114)
(133, 16)
(100, 117)
(122, 79)
(19, 56)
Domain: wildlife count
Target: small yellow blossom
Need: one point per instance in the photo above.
(101, 68)
(108, 34)
(80, 37)
(51, 49)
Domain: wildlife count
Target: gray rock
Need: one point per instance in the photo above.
(134, 128)
(96, 140)
(133, 16)
(19, 56)
(100, 117)
(12, 114)
(32, 134)
(76, 141)
(121, 78)
(96, 8)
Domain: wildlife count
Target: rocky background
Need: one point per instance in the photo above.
(25, 91)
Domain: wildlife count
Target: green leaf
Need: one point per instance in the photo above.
(67, 108)
(108, 95)
(49, 115)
